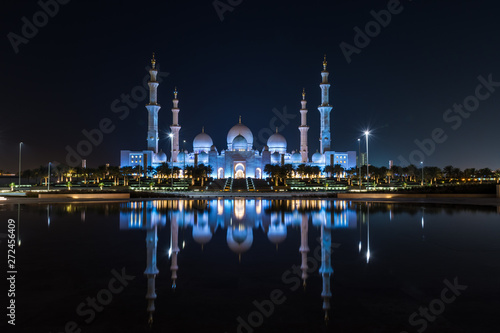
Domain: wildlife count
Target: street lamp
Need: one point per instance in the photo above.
(19, 183)
(48, 182)
(422, 166)
(171, 136)
(367, 173)
(184, 151)
(359, 160)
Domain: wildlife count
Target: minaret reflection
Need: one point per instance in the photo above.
(151, 268)
(304, 247)
(174, 241)
(326, 269)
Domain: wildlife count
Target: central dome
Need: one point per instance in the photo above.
(239, 129)
(240, 143)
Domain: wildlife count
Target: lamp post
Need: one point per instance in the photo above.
(20, 145)
(48, 182)
(359, 160)
(422, 166)
(171, 136)
(184, 151)
(367, 170)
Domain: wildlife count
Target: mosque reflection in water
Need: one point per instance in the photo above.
(240, 218)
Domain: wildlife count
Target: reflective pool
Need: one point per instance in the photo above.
(255, 266)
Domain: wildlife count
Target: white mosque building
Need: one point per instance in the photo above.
(239, 159)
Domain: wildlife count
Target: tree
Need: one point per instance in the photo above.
(126, 172)
(448, 172)
(301, 169)
(273, 171)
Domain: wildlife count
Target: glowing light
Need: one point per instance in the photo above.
(368, 256)
(169, 252)
(183, 244)
(423, 222)
(359, 246)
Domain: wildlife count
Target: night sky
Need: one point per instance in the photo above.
(400, 86)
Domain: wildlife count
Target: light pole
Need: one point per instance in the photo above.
(48, 182)
(171, 135)
(422, 166)
(359, 160)
(184, 151)
(367, 170)
(19, 183)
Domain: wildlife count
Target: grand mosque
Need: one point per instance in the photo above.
(239, 159)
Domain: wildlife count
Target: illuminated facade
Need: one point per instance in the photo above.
(240, 159)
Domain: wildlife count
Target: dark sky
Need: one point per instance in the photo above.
(429, 57)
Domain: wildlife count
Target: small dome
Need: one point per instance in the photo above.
(213, 148)
(239, 129)
(318, 158)
(266, 148)
(277, 142)
(277, 233)
(275, 157)
(202, 142)
(202, 234)
(240, 143)
(296, 158)
(161, 157)
(181, 156)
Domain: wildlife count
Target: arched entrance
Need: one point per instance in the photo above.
(258, 173)
(239, 170)
(220, 173)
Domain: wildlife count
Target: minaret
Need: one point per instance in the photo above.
(151, 269)
(175, 127)
(153, 108)
(325, 109)
(303, 128)
(304, 248)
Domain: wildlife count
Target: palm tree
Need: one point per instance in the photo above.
(114, 172)
(448, 172)
(433, 173)
(301, 169)
(273, 171)
(151, 171)
(126, 171)
(338, 169)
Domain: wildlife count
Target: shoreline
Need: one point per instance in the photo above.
(443, 199)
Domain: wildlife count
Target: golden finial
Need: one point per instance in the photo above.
(175, 92)
(276, 129)
(240, 119)
(153, 61)
(202, 131)
(324, 63)
(303, 94)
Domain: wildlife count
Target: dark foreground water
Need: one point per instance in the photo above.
(253, 266)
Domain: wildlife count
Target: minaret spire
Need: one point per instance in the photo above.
(325, 108)
(175, 127)
(303, 128)
(153, 108)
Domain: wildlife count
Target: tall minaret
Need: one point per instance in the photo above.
(325, 109)
(153, 108)
(303, 128)
(175, 127)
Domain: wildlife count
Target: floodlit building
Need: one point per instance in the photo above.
(239, 158)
